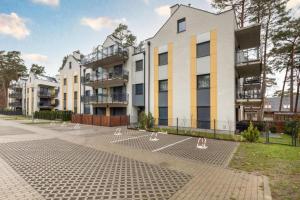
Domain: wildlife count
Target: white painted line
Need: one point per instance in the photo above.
(161, 148)
(129, 138)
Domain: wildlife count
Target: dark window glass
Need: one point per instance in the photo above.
(138, 65)
(203, 49)
(181, 25)
(138, 89)
(87, 77)
(163, 59)
(86, 109)
(163, 116)
(163, 86)
(65, 101)
(87, 93)
(75, 79)
(65, 81)
(70, 65)
(203, 81)
(203, 117)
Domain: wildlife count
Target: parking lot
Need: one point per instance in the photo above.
(72, 161)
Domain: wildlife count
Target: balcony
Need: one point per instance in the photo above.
(103, 100)
(105, 57)
(46, 104)
(248, 62)
(16, 95)
(252, 96)
(105, 80)
(15, 104)
(47, 94)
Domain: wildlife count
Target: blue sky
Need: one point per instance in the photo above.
(46, 30)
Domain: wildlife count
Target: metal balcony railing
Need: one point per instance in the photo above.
(137, 50)
(106, 99)
(103, 53)
(15, 104)
(248, 55)
(252, 80)
(107, 76)
(15, 95)
(45, 104)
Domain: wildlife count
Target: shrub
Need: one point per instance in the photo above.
(150, 120)
(53, 115)
(289, 127)
(144, 121)
(273, 129)
(251, 134)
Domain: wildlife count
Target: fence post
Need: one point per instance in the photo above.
(177, 125)
(215, 129)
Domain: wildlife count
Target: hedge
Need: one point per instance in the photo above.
(53, 115)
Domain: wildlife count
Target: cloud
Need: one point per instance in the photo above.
(100, 23)
(35, 58)
(13, 25)
(163, 10)
(295, 6)
(47, 2)
(146, 2)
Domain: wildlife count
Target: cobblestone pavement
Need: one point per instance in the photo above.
(88, 162)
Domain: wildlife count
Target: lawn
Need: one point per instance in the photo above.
(281, 163)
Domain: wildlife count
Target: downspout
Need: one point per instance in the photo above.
(149, 44)
(83, 90)
(144, 54)
(80, 90)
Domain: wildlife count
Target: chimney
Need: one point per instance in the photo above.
(76, 54)
(174, 8)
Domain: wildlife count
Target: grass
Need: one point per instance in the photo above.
(281, 163)
(13, 117)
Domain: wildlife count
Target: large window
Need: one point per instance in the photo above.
(75, 79)
(75, 101)
(139, 89)
(163, 116)
(70, 65)
(203, 81)
(203, 49)
(65, 81)
(65, 101)
(163, 85)
(181, 25)
(139, 65)
(163, 59)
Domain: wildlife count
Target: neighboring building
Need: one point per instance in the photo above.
(271, 111)
(202, 68)
(117, 79)
(16, 97)
(41, 93)
(71, 87)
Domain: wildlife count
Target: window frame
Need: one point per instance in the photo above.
(142, 89)
(198, 77)
(75, 79)
(159, 87)
(205, 55)
(70, 65)
(182, 20)
(142, 66)
(159, 59)
(65, 81)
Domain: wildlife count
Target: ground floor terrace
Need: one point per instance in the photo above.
(74, 161)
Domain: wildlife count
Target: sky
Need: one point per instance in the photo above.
(44, 31)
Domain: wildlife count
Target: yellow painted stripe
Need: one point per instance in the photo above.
(156, 85)
(213, 79)
(193, 85)
(170, 84)
(78, 94)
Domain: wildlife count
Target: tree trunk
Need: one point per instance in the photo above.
(282, 91)
(292, 81)
(297, 94)
(242, 14)
(263, 89)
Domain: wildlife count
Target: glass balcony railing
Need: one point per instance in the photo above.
(252, 80)
(103, 53)
(248, 94)
(107, 76)
(248, 55)
(106, 99)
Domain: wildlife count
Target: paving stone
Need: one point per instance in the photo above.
(51, 165)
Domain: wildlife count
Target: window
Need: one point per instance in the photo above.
(203, 81)
(286, 106)
(163, 86)
(268, 106)
(203, 49)
(75, 95)
(65, 81)
(181, 25)
(139, 89)
(75, 102)
(139, 65)
(163, 116)
(75, 79)
(65, 101)
(70, 65)
(163, 59)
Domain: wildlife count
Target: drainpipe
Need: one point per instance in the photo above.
(84, 89)
(149, 44)
(144, 54)
(80, 90)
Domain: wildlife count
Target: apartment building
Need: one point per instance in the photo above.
(117, 79)
(41, 93)
(71, 87)
(16, 97)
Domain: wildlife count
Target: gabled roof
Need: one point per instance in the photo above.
(182, 5)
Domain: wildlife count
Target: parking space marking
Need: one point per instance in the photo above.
(161, 148)
(132, 138)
